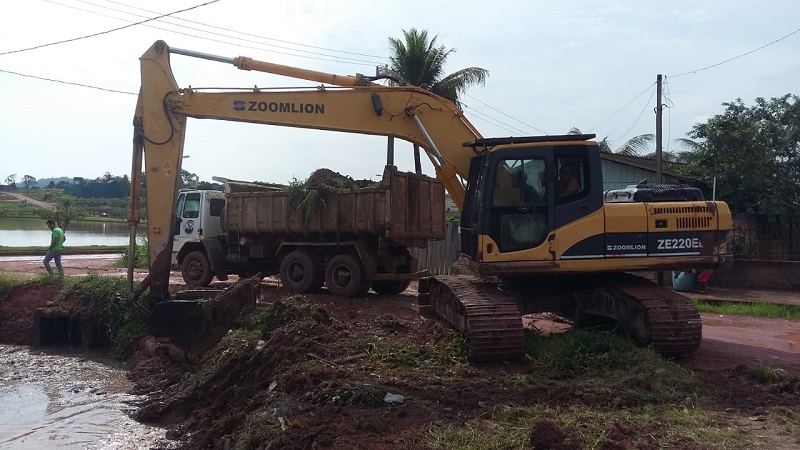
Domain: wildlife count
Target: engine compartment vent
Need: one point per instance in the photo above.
(654, 193)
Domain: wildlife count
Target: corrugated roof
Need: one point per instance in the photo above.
(646, 164)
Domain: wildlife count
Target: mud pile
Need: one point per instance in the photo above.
(297, 377)
(329, 180)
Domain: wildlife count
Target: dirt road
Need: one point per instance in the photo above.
(31, 200)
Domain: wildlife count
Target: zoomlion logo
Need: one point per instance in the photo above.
(188, 227)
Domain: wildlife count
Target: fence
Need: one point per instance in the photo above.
(440, 256)
(753, 241)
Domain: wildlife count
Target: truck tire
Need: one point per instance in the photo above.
(196, 270)
(301, 272)
(345, 277)
(390, 287)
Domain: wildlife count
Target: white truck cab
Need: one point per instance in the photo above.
(199, 215)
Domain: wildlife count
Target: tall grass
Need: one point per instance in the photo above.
(102, 298)
(141, 258)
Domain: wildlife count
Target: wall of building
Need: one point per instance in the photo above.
(619, 176)
(759, 274)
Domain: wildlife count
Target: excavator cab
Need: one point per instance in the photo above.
(515, 199)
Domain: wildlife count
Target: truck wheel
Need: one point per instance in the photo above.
(301, 272)
(345, 277)
(390, 287)
(196, 269)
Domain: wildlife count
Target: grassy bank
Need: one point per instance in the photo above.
(749, 309)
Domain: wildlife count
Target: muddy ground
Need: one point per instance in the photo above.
(313, 384)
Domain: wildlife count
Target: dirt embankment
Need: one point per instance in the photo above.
(370, 373)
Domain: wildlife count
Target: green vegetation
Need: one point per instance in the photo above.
(306, 201)
(749, 309)
(98, 296)
(12, 208)
(285, 311)
(752, 151)
(8, 281)
(102, 297)
(141, 252)
(540, 426)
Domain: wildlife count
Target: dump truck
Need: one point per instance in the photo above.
(347, 239)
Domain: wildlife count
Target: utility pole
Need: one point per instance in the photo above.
(658, 151)
(659, 178)
(390, 151)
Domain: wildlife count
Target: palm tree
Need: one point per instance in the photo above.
(635, 146)
(420, 62)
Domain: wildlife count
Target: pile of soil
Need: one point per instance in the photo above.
(322, 372)
(18, 306)
(327, 179)
(315, 380)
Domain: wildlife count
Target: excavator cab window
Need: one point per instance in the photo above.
(519, 208)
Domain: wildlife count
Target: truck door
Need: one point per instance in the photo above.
(187, 219)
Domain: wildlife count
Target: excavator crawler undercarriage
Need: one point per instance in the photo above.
(489, 315)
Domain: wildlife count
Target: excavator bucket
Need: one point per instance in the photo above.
(197, 324)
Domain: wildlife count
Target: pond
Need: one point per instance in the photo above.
(27, 232)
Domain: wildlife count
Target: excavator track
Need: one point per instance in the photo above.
(487, 318)
(648, 313)
(491, 322)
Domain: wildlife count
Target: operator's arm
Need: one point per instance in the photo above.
(53, 240)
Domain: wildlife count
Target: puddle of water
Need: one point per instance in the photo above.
(63, 399)
(794, 341)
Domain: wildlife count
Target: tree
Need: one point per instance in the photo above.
(417, 61)
(11, 180)
(754, 153)
(188, 179)
(64, 214)
(635, 146)
(28, 181)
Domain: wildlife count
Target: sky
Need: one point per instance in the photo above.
(552, 66)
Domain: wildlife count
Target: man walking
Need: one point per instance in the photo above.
(56, 246)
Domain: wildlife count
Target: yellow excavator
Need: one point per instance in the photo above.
(537, 227)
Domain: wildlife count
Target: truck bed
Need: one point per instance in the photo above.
(405, 208)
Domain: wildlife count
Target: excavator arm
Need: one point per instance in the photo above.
(341, 103)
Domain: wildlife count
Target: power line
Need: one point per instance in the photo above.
(340, 59)
(649, 86)
(510, 117)
(489, 119)
(255, 35)
(108, 31)
(635, 122)
(68, 82)
(737, 57)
